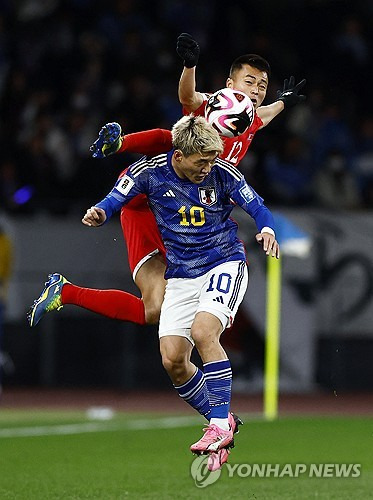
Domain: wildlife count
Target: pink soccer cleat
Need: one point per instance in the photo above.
(213, 440)
(234, 421)
(216, 460)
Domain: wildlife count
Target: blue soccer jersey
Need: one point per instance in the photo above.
(194, 219)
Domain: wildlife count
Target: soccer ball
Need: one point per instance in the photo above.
(230, 112)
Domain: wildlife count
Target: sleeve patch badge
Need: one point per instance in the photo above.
(125, 185)
(247, 193)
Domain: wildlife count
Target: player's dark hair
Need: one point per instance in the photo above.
(253, 60)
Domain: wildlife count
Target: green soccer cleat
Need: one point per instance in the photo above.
(49, 300)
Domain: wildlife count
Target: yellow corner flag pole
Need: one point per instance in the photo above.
(273, 322)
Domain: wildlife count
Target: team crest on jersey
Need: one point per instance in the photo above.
(125, 184)
(207, 195)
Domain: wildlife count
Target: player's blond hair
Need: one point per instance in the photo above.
(193, 134)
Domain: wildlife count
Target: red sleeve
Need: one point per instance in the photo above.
(148, 142)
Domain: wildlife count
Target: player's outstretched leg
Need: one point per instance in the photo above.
(115, 304)
(49, 300)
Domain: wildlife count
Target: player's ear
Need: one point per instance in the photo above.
(178, 155)
(229, 83)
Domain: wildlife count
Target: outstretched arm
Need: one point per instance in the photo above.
(245, 196)
(124, 190)
(94, 216)
(267, 113)
(189, 98)
(269, 243)
(265, 223)
(287, 97)
(188, 49)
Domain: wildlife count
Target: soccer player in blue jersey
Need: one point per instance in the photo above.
(192, 193)
(145, 249)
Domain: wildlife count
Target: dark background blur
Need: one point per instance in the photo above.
(68, 67)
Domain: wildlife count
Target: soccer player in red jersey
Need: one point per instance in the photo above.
(250, 74)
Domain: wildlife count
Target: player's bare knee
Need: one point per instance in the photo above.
(176, 366)
(201, 336)
(152, 314)
(153, 303)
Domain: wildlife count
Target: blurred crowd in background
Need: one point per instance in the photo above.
(68, 67)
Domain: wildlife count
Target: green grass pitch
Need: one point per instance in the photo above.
(63, 455)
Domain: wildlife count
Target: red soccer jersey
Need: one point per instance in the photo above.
(235, 147)
(156, 141)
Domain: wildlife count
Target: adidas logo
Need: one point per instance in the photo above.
(219, 299)
(170, 194)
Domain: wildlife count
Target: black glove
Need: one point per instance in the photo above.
(188, 49)
(289, 94)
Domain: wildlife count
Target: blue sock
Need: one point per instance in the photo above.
(194, 392)
(218, 376)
